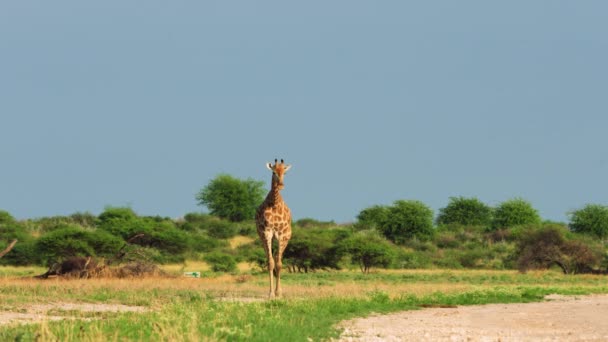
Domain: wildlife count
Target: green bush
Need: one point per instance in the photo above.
(408, 220)
(84, 219)
(201, 242)
(23, 253)
(48, 224)
(76, 241)
(446, 239)
(474, 257)
(167, 238)
(231, 198)
(247, 228)
(591, 219)
(514, 212)
(220, 229)
(312, 223)
(373, 217)
(315, 248)
(221, 262)
(254, 254)
(368, 249)
(124, 222)
(158, 232)
(197, 221)
(449, 258)
(465, 211)
(412, 260)
(215, 226)
(6, 217)
(116, 213)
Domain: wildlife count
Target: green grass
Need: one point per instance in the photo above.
(185, 312)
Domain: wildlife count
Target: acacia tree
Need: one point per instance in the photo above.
(232, 198)
(540, 248)
(368, 249)
(408, 219)
(514, 212)
(591, 219)
(465, 211)
(372, 217)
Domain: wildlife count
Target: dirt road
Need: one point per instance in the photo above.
(557, 319)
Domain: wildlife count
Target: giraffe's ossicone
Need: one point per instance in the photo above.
(273, 220)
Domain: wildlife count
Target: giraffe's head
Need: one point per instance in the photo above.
(278, 171)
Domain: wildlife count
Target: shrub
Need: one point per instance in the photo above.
(23, 252)
(111, 214)
(312, 223)
(473, 257)
(311, 249)
(221, 262)
(201, 242)
(446, 239)
(254, 254)
(465, 211)
(591, 219)
(247, 228)
(6, 217)
(48, 224)
(222, 229)
(232, 198)
(123, 222)
(408, 220)
(412, 260)
(194, 221)
(85, 219)
(167, 238)
(215, 226)
(514, 212)
(372, 218)
(449, 259)
(549, 245)
(368, 249)
(76, 241)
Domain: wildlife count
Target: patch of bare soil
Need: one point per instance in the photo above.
(47, 312)
(559, 318)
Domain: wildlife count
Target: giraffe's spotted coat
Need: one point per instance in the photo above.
(273, 220)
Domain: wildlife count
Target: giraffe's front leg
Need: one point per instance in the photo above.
(283, 240)
(271, 264)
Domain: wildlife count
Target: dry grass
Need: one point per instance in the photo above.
(296, 286)
(188, 266)
(240, 240)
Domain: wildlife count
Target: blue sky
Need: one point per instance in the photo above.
(141, 103)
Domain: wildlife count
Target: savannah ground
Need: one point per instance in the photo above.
(558, 318)
(233, 306)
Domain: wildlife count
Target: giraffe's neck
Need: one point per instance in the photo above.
(274, 196)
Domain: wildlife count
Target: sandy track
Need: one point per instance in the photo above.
(557, 319)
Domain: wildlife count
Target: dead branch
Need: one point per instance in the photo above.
(8, 249)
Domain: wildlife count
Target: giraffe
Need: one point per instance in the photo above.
(273, 220)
